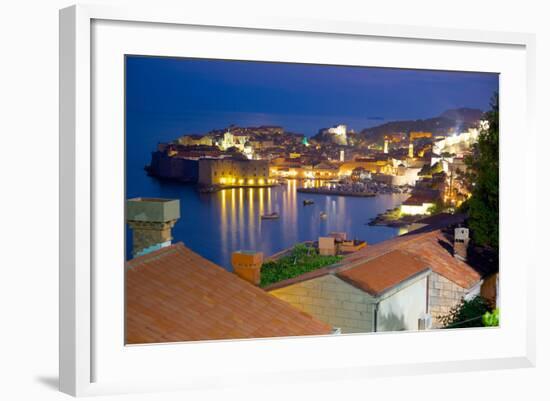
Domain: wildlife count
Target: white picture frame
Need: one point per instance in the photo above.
(80, 340)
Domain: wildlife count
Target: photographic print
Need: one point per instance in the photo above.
(270, 199)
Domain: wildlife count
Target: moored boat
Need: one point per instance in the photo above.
(208, 189)
(270, 216)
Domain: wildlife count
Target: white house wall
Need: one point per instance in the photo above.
(401, 310)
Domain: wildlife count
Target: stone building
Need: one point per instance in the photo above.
(414, 135)
(418, 277)
(453, 276)
(420, 202)
(386, 293)
(324, 171)
(234, 172)
(372, 165)
(195, 140)
(337, 134)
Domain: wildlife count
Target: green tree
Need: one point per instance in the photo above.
(467, 314)
(428, 171)
(438, 207)
(482, 207)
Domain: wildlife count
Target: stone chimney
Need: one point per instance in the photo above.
(460, 248)
(247, 265)
(327, 246)
(151, 221)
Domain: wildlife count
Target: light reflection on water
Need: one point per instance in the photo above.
(215, 225)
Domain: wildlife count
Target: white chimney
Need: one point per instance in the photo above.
(461, 240)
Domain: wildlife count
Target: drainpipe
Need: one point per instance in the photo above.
(375, 317)
(428, 293)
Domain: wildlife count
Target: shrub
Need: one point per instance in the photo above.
(467, 314)
(491, 319)
(302, 259)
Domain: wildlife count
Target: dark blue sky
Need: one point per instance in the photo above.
(199, 95)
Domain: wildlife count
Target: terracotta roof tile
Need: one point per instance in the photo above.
(174, 294)
(382, 273)
(433, 247)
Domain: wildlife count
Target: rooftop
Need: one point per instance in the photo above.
(432, 245)
(380, 274)
(174, 294)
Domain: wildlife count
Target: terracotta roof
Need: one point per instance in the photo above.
(382, 273)
(432, 246)
(174, 294)
(429, 243)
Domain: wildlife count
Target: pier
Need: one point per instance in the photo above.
(337, 192)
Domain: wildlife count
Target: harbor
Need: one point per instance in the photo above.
(336, 192)
(216, 224)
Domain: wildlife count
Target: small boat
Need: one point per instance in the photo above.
(308, 202)
(207, 189)
(323, 215)
(270, 216)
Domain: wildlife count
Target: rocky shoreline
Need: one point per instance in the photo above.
(392, 218)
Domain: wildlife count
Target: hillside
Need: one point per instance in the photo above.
(450, 120)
